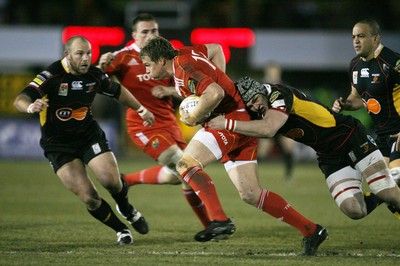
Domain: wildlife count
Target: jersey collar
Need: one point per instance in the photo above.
(65, 65)
(378, 50)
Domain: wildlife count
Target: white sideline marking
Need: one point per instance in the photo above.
(202, 253)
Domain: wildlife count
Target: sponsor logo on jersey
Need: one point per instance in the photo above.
(90, 87)
(47, 74)
(76, 85)
(178, 82)
(274, 96)
(365, 146)
(42, 79)
(365, 73)
(375, 78)
(223, 138)
(279, 104)
(371, 139)
(144, 77)
(96, 148)
(63, 89)
(133, 62)
(373, 106)
(65, 114)
(352, 156)
(355, 75)
(192, 84)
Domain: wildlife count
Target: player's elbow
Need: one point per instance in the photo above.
(266, 132)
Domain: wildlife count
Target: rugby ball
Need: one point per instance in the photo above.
(188, 104)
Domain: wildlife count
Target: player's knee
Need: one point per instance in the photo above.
(395, 172)
(353, 209)
(170, 157)
(169, 176)
(249, 197)
(91, 200)
(186, 162)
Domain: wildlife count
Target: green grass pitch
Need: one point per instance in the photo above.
(41, 223)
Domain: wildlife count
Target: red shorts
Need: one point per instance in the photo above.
(235, 147)
(153, 141)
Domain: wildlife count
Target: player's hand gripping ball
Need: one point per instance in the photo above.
(186, 108)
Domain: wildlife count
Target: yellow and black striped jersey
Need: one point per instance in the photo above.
(309, 121)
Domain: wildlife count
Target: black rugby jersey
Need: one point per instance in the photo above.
(310, 122)
(379, 90)
(70, 97)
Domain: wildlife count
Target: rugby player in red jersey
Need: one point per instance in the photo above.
(193, 73)
(163, 141)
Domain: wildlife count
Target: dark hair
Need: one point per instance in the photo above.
(373, 25)
(158, 48)
(142, 17)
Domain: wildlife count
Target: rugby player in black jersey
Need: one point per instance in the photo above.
(375, 84)
(71, 139)
(346, 153)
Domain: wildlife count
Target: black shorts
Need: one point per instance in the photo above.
(84, 148)
(387, 146)
(356, 148)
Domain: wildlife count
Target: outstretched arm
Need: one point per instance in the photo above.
(127, 99)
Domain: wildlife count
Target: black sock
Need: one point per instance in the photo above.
(121, 199)
(106, 215)
(372, 201)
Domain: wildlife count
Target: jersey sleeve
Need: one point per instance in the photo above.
(281, 100)
(107, 86)
(41, 84)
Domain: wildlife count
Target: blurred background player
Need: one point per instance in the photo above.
(273, 74)
(163, 141)
(71, 138)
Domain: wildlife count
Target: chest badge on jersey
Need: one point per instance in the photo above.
(355, 77)
(365, 72)
(192, 84)
(63, 89)
(155, 144)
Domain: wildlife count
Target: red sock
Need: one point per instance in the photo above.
(146, 176)
(204, 187)
(197, 206)
(276, 206)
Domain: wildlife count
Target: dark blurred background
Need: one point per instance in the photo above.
(177, 19)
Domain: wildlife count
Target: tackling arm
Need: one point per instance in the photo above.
(265, 128)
